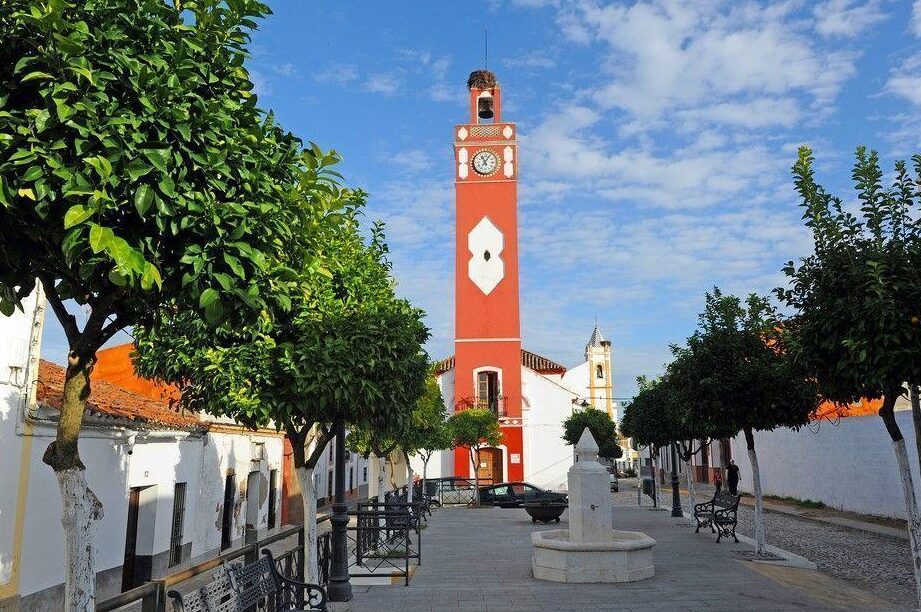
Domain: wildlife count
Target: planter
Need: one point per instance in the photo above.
(545, 512)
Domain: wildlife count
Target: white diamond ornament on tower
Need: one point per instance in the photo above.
(485, 243)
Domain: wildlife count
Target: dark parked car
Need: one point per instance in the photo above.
(513, 494)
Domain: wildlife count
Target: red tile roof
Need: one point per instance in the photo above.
(530, 360)
(108, 401)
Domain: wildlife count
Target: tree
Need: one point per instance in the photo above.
(427, 432)
(470, 429)
(855, 321)
(647, 418)
(346, 351)
(738, 377)
(135, 170)
(660, 415)
(603, 429)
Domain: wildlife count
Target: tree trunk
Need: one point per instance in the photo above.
(692, 492)
(306, 456)
(81, 509)
(655, 477)
(759, 497)
(82, 512)
(409, 479)
(381, 476)
(908, 487)
(475, 459)
(309, 501)
(425, 469)
(916, 416)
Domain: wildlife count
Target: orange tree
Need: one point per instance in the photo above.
(603, 429)
(732, 376)
(471, 429)
(856, 300)
(137, 170)
(344, 351)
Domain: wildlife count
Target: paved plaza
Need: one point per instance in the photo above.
(479, 559)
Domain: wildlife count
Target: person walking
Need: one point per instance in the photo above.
(732, 477)
(718, 481)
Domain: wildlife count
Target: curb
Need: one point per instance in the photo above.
(789, 559)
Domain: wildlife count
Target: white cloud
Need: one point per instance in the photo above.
(338, 73)
(746, 59)
(905, 80)
(287, 69)
(916, 18)
(569, 155)
(847, 18)
(384, 83)
(535, 59)
(262, 86)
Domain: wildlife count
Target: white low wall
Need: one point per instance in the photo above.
(850, 466)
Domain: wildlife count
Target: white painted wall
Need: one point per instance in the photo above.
(547, 404)
(849, 467)
(20, 337)
(158, 462)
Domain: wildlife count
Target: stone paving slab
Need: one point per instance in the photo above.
(481, 560)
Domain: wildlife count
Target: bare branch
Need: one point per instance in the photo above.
(67, 320)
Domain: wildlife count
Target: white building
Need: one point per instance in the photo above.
(550, 393)
(176, 489)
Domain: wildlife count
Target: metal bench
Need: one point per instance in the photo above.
(720, 514)
(237, 588)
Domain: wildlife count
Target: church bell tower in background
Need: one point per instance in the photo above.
(487, 322)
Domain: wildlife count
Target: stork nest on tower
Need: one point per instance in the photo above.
(481, 79)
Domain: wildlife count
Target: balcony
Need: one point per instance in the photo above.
(497, 405)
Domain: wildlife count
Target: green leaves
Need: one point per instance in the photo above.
(143, 199)
(157, 157)
(603, 429)
(100, 237)
(849, 301)
(137, 168)
(76, 215)
(101, 165)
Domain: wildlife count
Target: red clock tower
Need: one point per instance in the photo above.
(487, 367)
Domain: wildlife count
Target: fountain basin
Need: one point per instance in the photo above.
(626, 556)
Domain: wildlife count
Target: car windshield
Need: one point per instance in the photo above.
(499, 491)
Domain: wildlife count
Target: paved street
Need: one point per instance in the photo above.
(875, 562)
(480, 560)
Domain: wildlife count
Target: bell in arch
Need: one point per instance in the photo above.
(485, 107)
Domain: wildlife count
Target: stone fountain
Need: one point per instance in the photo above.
(590, 550)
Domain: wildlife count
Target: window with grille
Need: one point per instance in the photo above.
(273, 492)
(488, 391)
(175, 546)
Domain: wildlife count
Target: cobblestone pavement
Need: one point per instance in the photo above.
(877, 563)
(481, 560)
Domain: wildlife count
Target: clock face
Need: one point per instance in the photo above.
(485, 162)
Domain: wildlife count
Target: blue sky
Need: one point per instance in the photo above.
(656, 139)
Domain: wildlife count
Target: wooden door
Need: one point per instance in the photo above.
(490, 468)
(131, 540)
